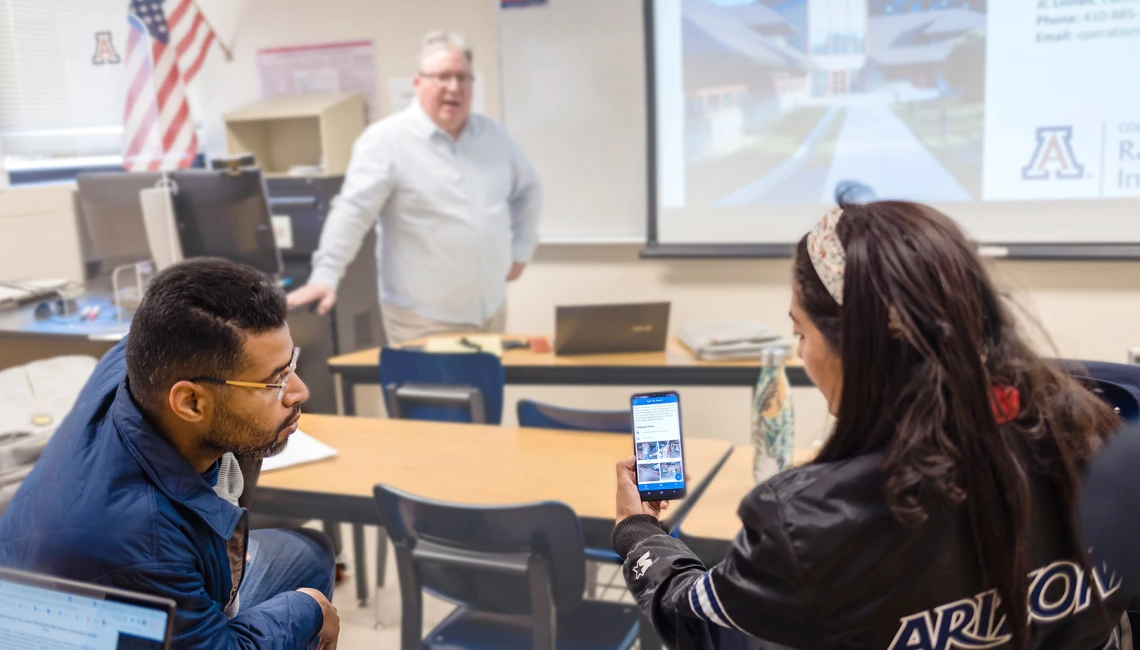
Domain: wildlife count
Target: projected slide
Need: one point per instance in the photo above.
(782, 102)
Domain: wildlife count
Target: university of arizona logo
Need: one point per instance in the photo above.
(104, 49)
(1056, 591)
(1053, 157)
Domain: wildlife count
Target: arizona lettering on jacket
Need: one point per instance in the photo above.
(820, 563)
(1056, 591)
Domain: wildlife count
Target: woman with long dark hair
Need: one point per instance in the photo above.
(941, 513)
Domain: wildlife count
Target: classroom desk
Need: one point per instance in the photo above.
(676, 366)
(465, 463)
(712, 524)
(23, 338)
(470, 464)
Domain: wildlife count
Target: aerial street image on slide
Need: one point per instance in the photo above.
(789, 102)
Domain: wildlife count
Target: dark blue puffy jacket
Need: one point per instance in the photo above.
(111, 502)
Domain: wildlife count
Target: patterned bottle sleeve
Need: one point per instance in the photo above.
(773, 418)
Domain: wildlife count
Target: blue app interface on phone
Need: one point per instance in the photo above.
(657, 443)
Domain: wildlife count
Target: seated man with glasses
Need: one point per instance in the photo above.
(139, 486)
(454, 202)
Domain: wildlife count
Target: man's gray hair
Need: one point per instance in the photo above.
(441, 40)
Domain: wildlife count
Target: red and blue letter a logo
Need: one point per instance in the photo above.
(104, 50)
(1053, 157)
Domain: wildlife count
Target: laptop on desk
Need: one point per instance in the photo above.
(40, 611)
(611, 329)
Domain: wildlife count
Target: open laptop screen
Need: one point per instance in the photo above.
(43, 612)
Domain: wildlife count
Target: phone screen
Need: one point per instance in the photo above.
(657, 445)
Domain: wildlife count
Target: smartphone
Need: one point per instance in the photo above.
(657, 445)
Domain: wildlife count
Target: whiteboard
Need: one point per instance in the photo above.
(573, 87)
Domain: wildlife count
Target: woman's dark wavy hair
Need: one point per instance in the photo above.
(920, 389)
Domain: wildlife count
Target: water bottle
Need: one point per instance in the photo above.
(773, 419)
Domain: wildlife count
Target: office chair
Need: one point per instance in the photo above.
(442, 387)
(516, 573)
(545, 416)
(1117, 384)
(437, 387)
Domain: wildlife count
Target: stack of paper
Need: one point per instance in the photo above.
(732, 340)
(302, 448)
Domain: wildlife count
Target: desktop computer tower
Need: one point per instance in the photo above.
(354, 322)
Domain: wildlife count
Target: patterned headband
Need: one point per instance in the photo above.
(827, 254)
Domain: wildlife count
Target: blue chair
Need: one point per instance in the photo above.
(516, 574)
(439, 387)
(442, 387)
(1117, 384)
(545, 416)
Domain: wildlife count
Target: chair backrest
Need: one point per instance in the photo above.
(545, 416)
(478, 556)
(1117, 384)
(479, 370)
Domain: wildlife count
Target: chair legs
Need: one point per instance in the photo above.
(381, 556)
(592, 569)
(381, 571)
(360, 562)
(332, 529)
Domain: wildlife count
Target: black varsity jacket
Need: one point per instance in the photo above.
(821, 563)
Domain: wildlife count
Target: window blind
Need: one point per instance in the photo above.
(58, 99)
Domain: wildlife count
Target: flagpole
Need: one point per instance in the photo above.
(217, 39)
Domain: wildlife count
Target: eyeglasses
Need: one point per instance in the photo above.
(292, 368)
(445, 78)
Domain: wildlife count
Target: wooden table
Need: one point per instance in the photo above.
(712, 524)
(464, 463)
(674, 367)
(470, 464)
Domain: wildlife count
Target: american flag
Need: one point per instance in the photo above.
(163, 56)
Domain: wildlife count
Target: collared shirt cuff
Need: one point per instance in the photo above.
(326, 276)
(522, 252)
(632, 530)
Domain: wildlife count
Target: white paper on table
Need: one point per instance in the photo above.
(302, 448)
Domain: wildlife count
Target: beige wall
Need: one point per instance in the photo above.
(395, 28)
(1089, 309)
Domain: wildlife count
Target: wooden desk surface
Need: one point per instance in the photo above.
(714, 515)
(474, 464)
(675, 355)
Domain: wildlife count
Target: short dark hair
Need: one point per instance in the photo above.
(193, 322)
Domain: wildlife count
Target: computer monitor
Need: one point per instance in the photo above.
(225, 214)
(113, 215)
(39, 611)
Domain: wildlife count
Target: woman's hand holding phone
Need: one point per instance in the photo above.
(629, 501)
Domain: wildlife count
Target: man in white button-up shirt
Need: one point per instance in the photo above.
(454, 201)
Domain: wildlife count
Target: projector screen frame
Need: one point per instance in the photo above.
(1084, 251)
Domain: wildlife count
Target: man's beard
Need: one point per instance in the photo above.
(232, 433)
